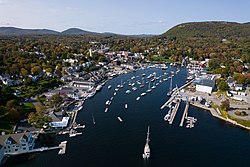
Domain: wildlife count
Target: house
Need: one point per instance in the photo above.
(205, 85)
(17, 143)
(83, 84)
(238, 87)
(230, 82)
(58, 122)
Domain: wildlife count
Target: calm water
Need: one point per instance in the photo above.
(110, 143)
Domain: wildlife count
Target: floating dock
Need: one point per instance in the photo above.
(184, 114)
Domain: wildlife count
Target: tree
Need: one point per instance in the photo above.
(38, 118)
(225, 105)
(24, 72)
(14, 115)
(56, 100)
(11, 104)
(223, 86)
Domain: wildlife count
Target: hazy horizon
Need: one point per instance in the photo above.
(116, 16)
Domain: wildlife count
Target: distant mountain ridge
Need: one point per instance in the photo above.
(12, 31)
(216, 29)
(77, 31)
(209, 29)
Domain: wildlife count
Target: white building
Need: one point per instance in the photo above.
(205, 85)
(238, 87)
(17, 143)
(83, 84)
(60, 124)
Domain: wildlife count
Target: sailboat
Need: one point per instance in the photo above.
(170, 88)
(142, 83)
(121, 86)
(149, 89)
(93, 119)
(146, 153)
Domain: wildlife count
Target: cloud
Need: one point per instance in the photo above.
(1, 2)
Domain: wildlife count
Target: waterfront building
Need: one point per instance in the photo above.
(59, 123)
(205, 85)
(17, 143)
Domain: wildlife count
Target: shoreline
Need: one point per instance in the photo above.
(215, 112)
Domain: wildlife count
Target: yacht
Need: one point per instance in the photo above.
(119, 118)
(126, 106)
(98, 88)
(80, 108)
(134, 88)
(128, 91)
(106, 110)
(109, 87)
(146, 153)
(143, 94)
(138, 98)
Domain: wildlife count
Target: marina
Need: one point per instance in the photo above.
(129, 137)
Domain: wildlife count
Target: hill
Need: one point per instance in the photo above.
(12, 31)
(209, 30)
(77, 31)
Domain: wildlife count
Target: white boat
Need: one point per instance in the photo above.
(80, 108)
(115, 94)
(119, 118)
(134, 88)
(138, 98)
(148, 90)
(109, 87)
(143, 94)
(146, 153)
(116, 89)
(126, 106)
(99, 87)
(153, 87)
(106, 109)
(107, 102)
(128, 91)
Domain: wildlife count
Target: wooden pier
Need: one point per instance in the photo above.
(170, 100)
(62, 147)
(174, 112)
(184, 114)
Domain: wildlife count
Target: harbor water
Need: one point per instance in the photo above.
(107, 142)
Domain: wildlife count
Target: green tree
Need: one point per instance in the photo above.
(56, 100)
(223, 86)
(225, 105)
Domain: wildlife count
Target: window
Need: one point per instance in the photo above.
(16, 149)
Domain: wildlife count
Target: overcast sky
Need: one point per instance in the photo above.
(119, 16)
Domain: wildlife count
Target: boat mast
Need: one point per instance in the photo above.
(147, 140)
(170, 87)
